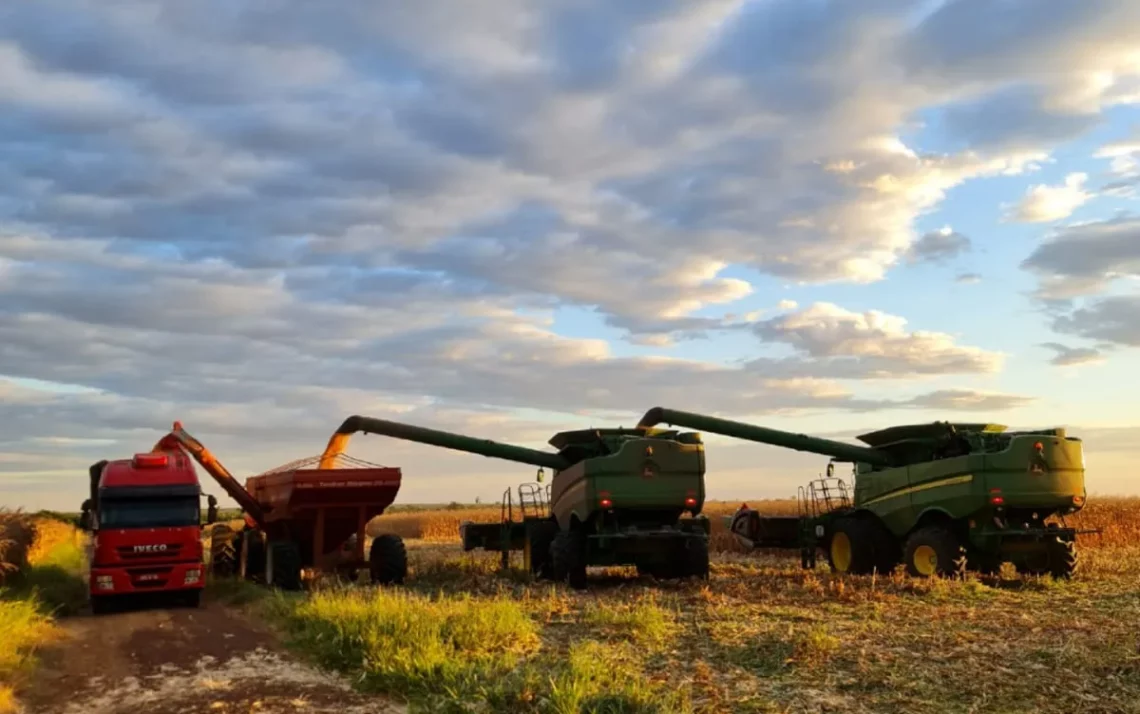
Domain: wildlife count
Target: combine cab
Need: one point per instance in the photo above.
(940, 498)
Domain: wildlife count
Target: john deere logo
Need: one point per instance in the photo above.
(649, 470)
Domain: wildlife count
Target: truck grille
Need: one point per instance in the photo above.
(150, 577)
(158, 550)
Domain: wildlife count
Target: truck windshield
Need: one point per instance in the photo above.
(149, 513)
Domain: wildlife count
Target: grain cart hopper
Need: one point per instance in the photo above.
(617, 497)
(940, 497)
(305, 514)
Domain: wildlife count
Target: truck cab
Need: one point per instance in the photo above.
(145, 518)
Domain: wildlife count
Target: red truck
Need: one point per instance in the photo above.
(145, 517)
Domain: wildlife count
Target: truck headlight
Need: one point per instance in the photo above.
(104, 582)
(192, 576)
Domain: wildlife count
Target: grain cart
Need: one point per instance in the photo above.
(940, 497)
(617, 497)
(308, 514)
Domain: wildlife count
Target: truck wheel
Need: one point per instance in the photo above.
(251, 559)
(934, 550)
(283, 566)
(1063, 561)
(100, 605)
(388, 559)
(568, 559)
(697, 558)
(851, 548)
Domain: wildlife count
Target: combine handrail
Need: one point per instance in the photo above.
(492, 449)
(179, 438)
(751, 432)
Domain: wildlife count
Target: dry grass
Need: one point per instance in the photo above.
(763, 635)
(42, 558)
(17, 533)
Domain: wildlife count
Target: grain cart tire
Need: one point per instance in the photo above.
(568, 559)
(388, 559)
(283, 565)
(223, 553)
(851, 547)
(934, 550)
(696, 558)
(251, 557)
(536, 554)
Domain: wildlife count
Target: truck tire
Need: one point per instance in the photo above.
(696, 564)
(934, 550)
(568, 559)
(851, 547)
(251, 558)
(536, 556)
(283, 566)
(388, 560)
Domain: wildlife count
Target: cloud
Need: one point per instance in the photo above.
(1085, 258)
(1071, 356)
(265, 219)
(873, 343)
(939, 246)
(970, 400)
(968, 278)
(1112, 320)
(1043, 203)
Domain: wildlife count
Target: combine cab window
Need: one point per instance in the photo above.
(149, 513)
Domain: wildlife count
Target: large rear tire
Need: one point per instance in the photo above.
(568, 558)
(1063, 560)
(536, 553)
(388, 560)
(223, 553)
(251, 557)
(696, 562)
(934, 550)
(283, 566)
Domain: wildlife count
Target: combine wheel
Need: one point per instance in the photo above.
(696, 554)
(251, 560)
(283, 566)
(388, 559)
(1063, 561)
(568, 558)
(536, 549)
(934, 550)
(851, 548)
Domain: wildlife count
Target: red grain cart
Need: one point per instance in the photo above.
(314, 518)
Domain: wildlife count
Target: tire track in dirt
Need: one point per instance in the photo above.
(183, 661)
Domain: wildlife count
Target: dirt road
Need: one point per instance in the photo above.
(183, 661)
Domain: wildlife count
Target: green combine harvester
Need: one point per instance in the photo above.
(617, 497)
(941, 498)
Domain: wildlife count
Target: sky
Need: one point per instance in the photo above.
(510, 219)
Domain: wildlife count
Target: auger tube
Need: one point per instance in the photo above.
(447, 440)
(179, 438)
(751, 432)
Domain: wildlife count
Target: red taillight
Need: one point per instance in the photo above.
(151, 460)
(1039, 446)
(997, 500)
(606, 503)
(690, 501)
